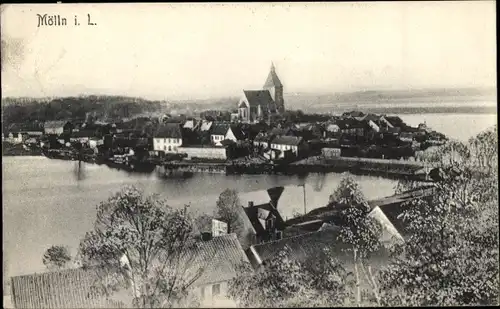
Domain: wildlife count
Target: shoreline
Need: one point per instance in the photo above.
(389, 169)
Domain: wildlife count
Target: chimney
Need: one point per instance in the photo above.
(219, 228)
(275, 194)
(250, 204)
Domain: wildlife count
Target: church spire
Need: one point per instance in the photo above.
(272, 67)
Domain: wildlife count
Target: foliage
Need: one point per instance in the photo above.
(56, 257)
(229, 209)
(452, 255)
(139, 242)
(348, 192)
(285, 282)
(16, 110)
(362, 233)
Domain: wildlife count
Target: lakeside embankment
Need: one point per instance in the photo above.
(393, 169)
(11, 150)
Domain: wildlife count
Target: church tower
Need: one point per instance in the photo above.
(275, 87)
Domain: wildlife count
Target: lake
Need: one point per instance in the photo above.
(45, 203)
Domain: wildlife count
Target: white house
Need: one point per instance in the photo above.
(13, 138)
(222, 131)
(167, 138)
(218, 133)
(286, 143)
(57, 127)
(94, 142)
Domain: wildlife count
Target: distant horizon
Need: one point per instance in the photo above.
(485, 89)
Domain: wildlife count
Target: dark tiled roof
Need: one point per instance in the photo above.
(83, 133)
(219, 129)
(168, 130)
(260, 98)
(287, 140)
(280, 131)
(61, 289)
(252, 213)
(219, 259)
(350, 123)
(394, 120)
(238, 133)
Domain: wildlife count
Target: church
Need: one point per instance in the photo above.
(258, 105)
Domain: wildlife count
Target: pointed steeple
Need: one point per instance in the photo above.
(272, 79)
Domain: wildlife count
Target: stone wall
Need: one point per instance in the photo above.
(204, 152)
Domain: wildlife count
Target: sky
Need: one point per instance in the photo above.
(189, 50)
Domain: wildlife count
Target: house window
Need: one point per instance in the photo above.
(269, 224)
(169, 148)
(165, 148)
(216, 289)
(279, 235)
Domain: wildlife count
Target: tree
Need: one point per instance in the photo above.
(56, 257)
(141, 243)
(348, 192)
(361, 232)
(229, 209)
(452, 256)
(363, 235)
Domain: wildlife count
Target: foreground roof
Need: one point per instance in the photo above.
(303, 247)
(60, 289)
(220, 259)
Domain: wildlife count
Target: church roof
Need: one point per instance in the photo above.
(272, 79)
(260, 97)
